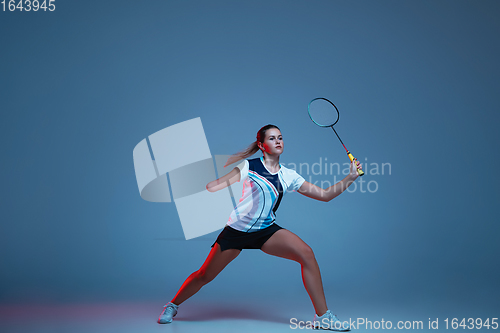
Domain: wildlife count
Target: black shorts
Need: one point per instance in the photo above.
(230, 238)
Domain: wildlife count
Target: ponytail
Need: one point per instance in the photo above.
(252, 149)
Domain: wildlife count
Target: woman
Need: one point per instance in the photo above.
(251, 224)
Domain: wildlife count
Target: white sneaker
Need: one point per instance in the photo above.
(331, 322)
(169, 312)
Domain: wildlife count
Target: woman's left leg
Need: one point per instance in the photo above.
(285, 244)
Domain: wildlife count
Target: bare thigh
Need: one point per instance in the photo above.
(285, 244)
(216, 261)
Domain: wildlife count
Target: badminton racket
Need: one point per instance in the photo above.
(325, 114)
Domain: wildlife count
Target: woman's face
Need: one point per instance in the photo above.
(273, 143)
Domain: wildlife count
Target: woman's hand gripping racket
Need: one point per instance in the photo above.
(325, 114)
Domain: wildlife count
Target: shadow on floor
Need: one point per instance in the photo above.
(208, 312)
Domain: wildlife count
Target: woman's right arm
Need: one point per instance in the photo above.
(225, 181)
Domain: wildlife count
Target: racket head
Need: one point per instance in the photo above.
(323, 112)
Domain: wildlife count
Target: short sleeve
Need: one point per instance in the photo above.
(297, 181)
(243, 166)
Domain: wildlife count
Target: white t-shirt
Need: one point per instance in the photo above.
(262, 194)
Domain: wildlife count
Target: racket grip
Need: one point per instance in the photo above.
(360, 172)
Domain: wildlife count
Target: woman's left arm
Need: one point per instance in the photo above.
(316, 192)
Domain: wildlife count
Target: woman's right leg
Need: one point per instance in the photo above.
(213, 265)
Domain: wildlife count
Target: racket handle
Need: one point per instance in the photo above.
(360, 172)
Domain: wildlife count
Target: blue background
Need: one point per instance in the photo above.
(417, 86)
